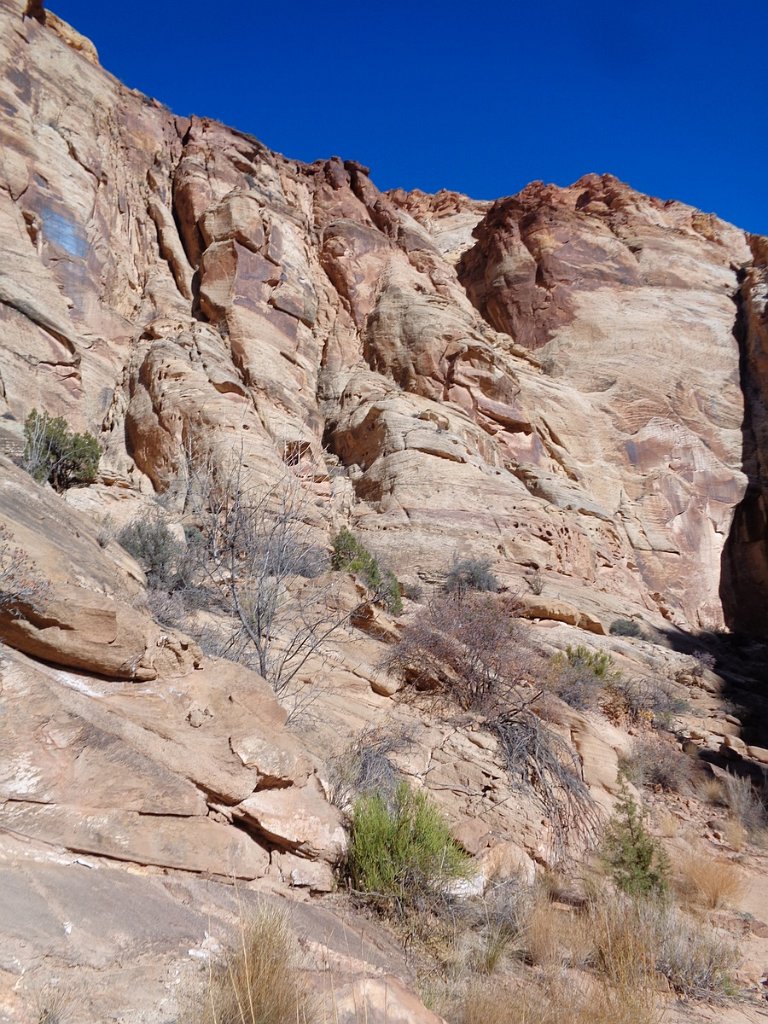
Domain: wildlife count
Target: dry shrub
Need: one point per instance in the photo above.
(467, 645)
(708, 882)
(643, 700)
(658, 763)
(696, 961)
(21, 586)
(259, 981)
(366, 766)
(539, 760)
(711, 791)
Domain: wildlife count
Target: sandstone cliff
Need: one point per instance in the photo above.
(569, 382)
(553, 380)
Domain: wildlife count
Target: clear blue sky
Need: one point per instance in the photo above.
(479, 97)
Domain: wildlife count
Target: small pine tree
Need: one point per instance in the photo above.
(637, 861)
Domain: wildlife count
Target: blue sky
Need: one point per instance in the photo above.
(480, 97)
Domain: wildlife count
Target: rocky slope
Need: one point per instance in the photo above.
(569, 382)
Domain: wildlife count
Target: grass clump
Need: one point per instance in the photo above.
(708, 882)
(351, 555)
(258, 982)
(637, 861)
(401, 855)
(53, 453)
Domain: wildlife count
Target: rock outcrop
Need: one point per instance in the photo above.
(569, 383)
(550, 381)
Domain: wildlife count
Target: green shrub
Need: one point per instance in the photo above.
(471, 574)
(625, 627)
(157, 551)
(54, 454)
(599, 663)
(402, 855)
(637, 862)
(350, 555)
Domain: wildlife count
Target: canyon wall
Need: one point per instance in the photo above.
(555, 381)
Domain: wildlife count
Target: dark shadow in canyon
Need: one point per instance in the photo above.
(741, 662)
(744, 561)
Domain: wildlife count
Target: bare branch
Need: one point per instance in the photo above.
(20, 584)
(261, 555)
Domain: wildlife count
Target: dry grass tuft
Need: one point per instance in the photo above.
(745, 803)
(56, 1004)
(258, 982)
(708, 882)
(735, 834)
(711, 791)
(557, 1000)
(554, 937)
(667, 824)
(638, 940)
(625, 949)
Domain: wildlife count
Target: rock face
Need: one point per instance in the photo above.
(570, 383)
(551, 381)
(634, 302)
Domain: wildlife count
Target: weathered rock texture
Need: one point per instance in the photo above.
(570, 382)
(167, 279)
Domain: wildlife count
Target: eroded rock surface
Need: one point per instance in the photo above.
(168, 280)
(569, 382)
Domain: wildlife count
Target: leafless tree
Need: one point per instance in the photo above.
(468, 645)
(258, 551)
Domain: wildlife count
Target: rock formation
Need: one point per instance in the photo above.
(570, 383)
(552, 380)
